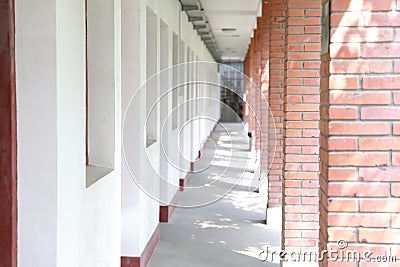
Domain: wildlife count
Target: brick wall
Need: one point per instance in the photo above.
(266, 73)
(360, 133)
(265, 28)
(257, 88)
(323, 153)
(334, 130)
(301, 136)
(276, 73)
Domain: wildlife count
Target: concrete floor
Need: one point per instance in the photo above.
(219, 220)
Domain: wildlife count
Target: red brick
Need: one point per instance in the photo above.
(310, 217)
(292, 200)
(305, 4)
(359, 159)
(301, 225)
(311, 99)
(347, 19)
(341, 264)
(310, 133)
(350, 189)
(386, 19)
(343, 82)
(381, 51)
(292, 233)
(342, 144)
(303, 56)
(396, 159)
(311, 81)
(304, 208)
(397, 66)
(310, 116)
(303, 38)
(379, 144)
(381, 264)
(381, 83)
(295, 65)
(360, 67)
(380, 205)
(396, 98)
(344, 35)
(296, 13)
(312, 64)
(395, 222)
(302, 175)
(396, 128)
(379, 174)
(359, 220)
(374, 249)
(312, 47)
(344, 51)
(342, 205)
(395, 189)
(294, 81)
(300, 242)
(302, 91)
(367, 5)
(302, 107)
(302, 73)
(313, 29)
(302, 124)
(360, 98)
(342, 174)
(380, 113)
(359, 128)
(310, 184)
(343, 113)
(296, 184)
(395, 251)
(397, 39)
(342, 234)
(301, 158)
(296, 30)
(379, 236)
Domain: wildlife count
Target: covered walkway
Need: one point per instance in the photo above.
(106, 111)
(227, 232)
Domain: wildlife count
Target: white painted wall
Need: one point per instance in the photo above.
(140, 206)
(61, 222)
(37, 132)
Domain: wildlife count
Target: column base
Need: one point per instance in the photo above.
(167, 211)
(148, 251)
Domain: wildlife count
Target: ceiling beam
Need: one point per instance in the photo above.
(190, 7)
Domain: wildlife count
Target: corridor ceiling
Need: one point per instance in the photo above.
(225, 26)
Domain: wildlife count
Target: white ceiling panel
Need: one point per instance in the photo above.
(239, 15)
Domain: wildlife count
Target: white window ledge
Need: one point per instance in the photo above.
(150, 142)
(95, 173)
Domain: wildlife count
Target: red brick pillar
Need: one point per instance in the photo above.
(276, 91)
(265, 27)
(324, 136)
(8, 138)
(245, 107)
(250, 99)
(360, 137)
(301, 118)
(257, 89)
